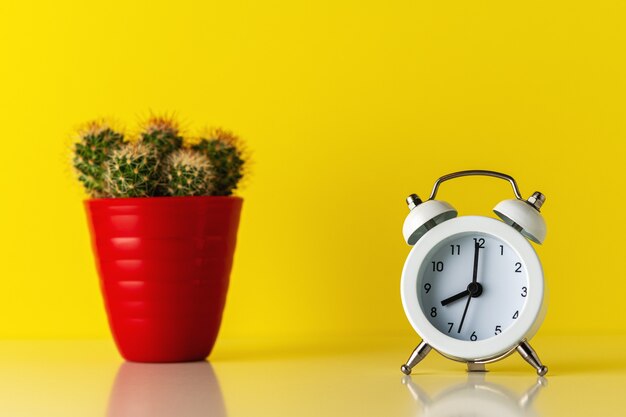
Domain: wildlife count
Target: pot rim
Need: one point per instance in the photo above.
(144, 200)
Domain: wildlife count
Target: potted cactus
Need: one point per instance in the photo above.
(163, 223)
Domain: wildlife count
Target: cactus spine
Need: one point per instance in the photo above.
(132, 171)
(97, 141)
(187, 173)
(162, 132)
(222, 150)
(158, 163)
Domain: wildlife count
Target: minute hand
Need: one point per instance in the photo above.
(476, 252)
(473, 284)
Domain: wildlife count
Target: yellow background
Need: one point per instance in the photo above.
(347, 107)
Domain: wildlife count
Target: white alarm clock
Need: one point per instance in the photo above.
(473, 287)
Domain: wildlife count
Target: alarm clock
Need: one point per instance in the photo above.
(472, 287)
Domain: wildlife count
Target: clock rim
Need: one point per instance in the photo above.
(493, 347)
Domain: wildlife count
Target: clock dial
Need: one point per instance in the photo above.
(472, 286)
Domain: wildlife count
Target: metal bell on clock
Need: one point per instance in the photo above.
(524, 216)
(424, 216)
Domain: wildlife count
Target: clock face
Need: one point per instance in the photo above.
(472, 286)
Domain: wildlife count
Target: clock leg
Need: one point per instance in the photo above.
(418, 354)
(530, 356)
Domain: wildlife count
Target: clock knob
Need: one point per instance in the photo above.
(524, 216)
(413, 201)
(536, 200)
(424, 216)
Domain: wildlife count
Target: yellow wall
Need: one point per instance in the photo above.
(348, 107)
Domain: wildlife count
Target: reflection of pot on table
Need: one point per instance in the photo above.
(476, 397)
(166, 390)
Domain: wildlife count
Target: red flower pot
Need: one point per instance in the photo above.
(164, 266)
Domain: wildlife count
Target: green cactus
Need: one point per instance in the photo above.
(187, 173)
(132, 171)
(97, 141)
(163, 134)
(225, 155)
(157, 164)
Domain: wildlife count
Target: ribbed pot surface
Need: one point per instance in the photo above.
(164, 266)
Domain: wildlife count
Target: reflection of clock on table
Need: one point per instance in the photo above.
(476, 398)
(472, 286)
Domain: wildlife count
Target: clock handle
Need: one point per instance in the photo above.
(530, 356)
(477, 172)
(418, 354)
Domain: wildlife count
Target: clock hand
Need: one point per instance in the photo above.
(476, 252)
(473, 287)
(455, 297)
(464, 313)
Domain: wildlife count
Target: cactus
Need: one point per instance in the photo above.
(225, 154)
(97, 141)
(162, 132)
(132, 171)
(157, 164)
(187, 173)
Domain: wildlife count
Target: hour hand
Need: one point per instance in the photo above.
(455, 297)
